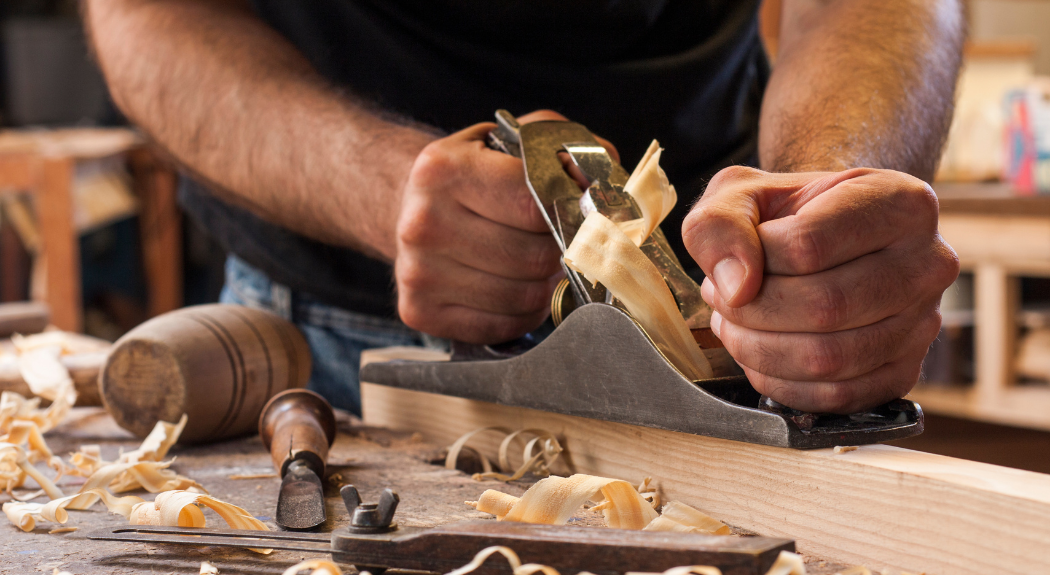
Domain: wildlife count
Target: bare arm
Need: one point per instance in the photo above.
(862, 84)
(236, 103)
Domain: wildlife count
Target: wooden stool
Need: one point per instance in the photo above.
(42, 163)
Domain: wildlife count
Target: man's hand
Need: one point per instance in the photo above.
(826, 286)
(475, 261)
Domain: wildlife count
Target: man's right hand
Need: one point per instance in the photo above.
(476, 261)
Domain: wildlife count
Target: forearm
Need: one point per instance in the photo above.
(238, 105)
(862, 84)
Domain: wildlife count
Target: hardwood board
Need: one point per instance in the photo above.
(880, 506)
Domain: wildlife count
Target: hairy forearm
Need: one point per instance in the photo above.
(237, 104)
(862, 83)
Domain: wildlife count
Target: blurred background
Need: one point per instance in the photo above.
(89, 222)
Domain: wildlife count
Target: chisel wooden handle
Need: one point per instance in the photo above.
(298, 424)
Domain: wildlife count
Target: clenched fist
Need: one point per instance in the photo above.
(826, 286)
(475, 261)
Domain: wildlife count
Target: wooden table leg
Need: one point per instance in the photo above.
(996, 294)
(160, 223)
(61, 248)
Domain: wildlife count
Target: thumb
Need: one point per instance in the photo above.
(721, 234)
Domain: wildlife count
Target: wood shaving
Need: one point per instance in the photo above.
(677, 516)
(457, 447)
(137, 470)
(787, 563)
(44, 373)
(554, 500)
(28, 496)
(157, 443)
(63, 530)
(538, 463)
(180, 509)
(253, 476)
(208, 569)
(316, 567)
(845, 448)
(15, 467)
(604, 254)
(653, 193)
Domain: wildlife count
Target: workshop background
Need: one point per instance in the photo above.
(89, 224)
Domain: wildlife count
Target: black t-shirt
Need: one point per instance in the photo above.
(688, 73)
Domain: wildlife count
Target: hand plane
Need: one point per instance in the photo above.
(374, 542)
(598, 362)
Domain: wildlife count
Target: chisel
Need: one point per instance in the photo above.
(298, 427)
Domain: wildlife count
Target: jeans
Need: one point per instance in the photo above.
(336, 336)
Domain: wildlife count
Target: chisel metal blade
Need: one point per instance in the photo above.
(300, 505)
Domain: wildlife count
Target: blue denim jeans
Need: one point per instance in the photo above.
(336, 336)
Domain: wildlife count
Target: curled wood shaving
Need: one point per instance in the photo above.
(604, 254)
(174, 508)
(454, 450)
(85, 461)
(649, 493)
(554, 500)
(15, 467)
(179, 509)
(653, 193)
(787, 563)
(157, 443)
(208, 569)
(677, 516)
(537, 464)
(14, 407)
(845, 449)
(316, 567)
(25, 515)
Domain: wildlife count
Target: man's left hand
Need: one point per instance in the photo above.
(826, 286)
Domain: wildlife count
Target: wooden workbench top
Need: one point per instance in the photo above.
(370, 458)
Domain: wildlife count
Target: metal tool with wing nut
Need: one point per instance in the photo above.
(374, 542)
(596, 359)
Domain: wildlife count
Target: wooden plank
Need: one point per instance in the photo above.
(881, 506)
(54, 208)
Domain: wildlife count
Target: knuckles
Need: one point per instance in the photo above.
(435, 166)
(808, 251)
(828, 306)
(733, 175)
(824, 359)
(418, 223)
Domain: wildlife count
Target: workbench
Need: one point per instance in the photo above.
(370, 458)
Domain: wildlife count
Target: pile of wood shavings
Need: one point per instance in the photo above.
(22, 425)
